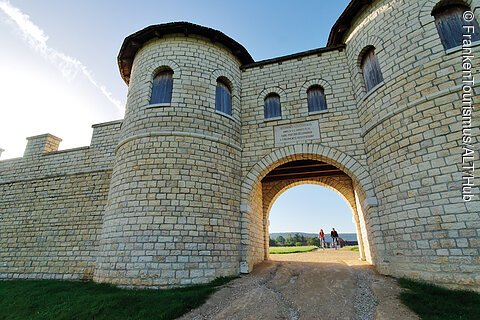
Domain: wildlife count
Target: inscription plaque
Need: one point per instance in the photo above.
(296, 133)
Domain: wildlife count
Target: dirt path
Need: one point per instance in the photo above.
(314, 285)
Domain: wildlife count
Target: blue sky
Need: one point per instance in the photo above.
(58, 58)
(307, 208)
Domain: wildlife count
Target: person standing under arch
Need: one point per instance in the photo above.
(334, 236)
(321, 236)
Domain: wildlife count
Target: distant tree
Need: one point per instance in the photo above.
(298, 244)
(297, 238)
(280, 241)
(313, 241)
(272, 243)
(304, 241)
(290, 241)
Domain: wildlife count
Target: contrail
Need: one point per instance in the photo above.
(37, 40)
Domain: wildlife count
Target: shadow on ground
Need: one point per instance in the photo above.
(323, 284)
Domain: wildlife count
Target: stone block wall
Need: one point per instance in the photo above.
(173, 214)
(41, 144)
(185, 201)
(412, 130)
(339, 126)
(51, 208)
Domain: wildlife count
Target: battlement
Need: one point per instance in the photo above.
(41, 144)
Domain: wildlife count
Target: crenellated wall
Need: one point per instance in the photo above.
(51, 208)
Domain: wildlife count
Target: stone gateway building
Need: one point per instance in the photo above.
(179, 192)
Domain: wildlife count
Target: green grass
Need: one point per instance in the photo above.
(431, 302)
(353, 248)
(284, 250)
(50, 299)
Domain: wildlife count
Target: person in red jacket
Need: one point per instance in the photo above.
(321, 236)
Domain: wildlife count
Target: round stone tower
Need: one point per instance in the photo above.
(412, 128)
(172, 216)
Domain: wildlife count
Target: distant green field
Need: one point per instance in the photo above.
(283, 250)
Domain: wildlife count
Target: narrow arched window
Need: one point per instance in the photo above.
(272, 106)
(372, 74)
(162, 87)
(223, 97)
(452, 26)
(316, 99)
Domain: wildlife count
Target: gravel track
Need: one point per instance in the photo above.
(322, 284)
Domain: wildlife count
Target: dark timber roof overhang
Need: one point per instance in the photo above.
(344, 22)
(135, 41)
(303, 169)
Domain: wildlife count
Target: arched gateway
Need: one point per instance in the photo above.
(308, 163)
(178, 192)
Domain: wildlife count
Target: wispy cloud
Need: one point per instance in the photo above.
(70, 67)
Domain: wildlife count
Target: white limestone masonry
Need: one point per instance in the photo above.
(173, 194)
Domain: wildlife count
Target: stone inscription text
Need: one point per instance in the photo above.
(296, 133)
